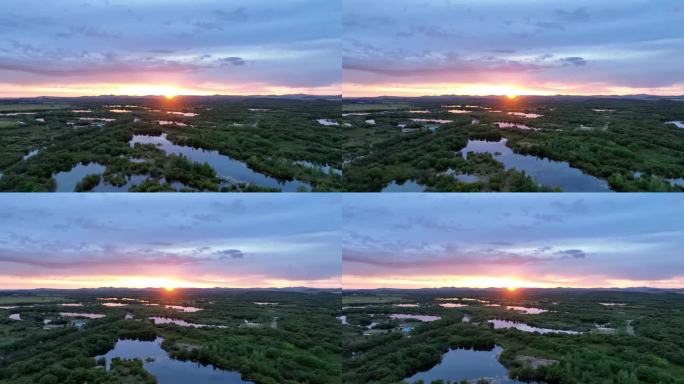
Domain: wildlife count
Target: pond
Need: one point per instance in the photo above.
(453, 305)
(183, 309)
(407, 305)
(66, 181)
(547, 172)
(406, 186)
(131, 181)
(166, 369)
(526, 115)
(184, 114)
(182, 323)
(86, 315)
(71, 305)
(225, 166)
(15, 316)
(504, 125)
(458, 111)
(505, 324)
(462, 177)
(114, 305)
(467, 364)
(526, 310)
(342, 319)
(436, 121)
(29, 155)
(404, 316)
(327, 122)
(677, 124)
(325, 168)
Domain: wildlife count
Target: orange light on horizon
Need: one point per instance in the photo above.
(512, 97)
(169, 97)
(169, 289)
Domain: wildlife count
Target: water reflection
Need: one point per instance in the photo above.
(225, 166)
(504, 324)
(166, 369)
(526, 310)
(404, 316)
(406, 186)
(467, 364)
(544, 171)
(66, 181)
(182, 323)
(86, 315)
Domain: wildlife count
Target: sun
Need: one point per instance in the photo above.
(512, 289)
(169, 289)
(169, 97)
(511, 97)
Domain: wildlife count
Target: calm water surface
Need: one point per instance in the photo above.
(467, 364)
(225, 166)
(544, 171)
(406, 186)
(502, 324)
(168, 370)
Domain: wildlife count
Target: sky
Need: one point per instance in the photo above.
(169, 47)
(512, 47)
(169, 240)
(513, 240)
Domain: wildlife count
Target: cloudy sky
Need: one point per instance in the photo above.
(85, 47)
(418, 47)
(186, 240)
(513, 240)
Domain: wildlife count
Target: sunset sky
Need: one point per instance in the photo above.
(141, 47)
(502, 47)
(175, 240)
(513, 240)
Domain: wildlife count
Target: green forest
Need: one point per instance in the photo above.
(633, 337)
(625, 142)
(279, 138)
(292, 339)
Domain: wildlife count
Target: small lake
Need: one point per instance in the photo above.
(458, 111)
(453, 305)
(504, 324)
(15, 316)
(436, 121)
(342, 319)
(547, 172)
(225, 166)
(166, 369)
(86, 315)
(183, 309)
(525, 115)
(327, 122)
(467, 364)
(403, 316)
(71, 305)
(407, 305)
(505, 125)
(406, 186)
(168, 320)
(677, 124)
(32, 153)
(184, 114)
(325, 168)
(526, 310)
(114, 305)
(66, 181)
